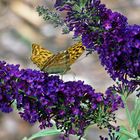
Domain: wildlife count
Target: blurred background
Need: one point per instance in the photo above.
(20, 26)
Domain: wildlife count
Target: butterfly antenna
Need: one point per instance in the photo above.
(74, 76)
(88, 52)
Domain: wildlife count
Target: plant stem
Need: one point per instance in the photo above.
(127, 111)
(132, 133)
(129, 134)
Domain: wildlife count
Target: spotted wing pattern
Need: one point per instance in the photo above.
(75, 51)
(60, 62)
(40, 55)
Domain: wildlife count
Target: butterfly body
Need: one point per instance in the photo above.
(56, 63)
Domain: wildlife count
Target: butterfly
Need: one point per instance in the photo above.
(56, 63)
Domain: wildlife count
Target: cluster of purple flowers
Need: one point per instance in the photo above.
(108, 33)
(74, 105)
(40, 97)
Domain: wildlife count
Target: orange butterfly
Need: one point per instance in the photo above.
(56, 63)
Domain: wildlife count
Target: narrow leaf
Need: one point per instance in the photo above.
(43, 134)
(135, 115)
(125, 134)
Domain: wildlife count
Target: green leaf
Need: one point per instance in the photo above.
(135, 115)
(43, 133)
(121, 133)
(125, 134)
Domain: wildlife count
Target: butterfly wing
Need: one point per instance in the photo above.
(40, 55)
(60, 63)
(76, 51)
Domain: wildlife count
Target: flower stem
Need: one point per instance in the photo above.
(132, 133)
(127, 111)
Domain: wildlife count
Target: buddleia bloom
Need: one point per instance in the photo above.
(41, 98)
(109, 34)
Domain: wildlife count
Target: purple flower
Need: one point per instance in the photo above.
(120, 53)
(107, 33)
(8, 90)
(72, 105)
